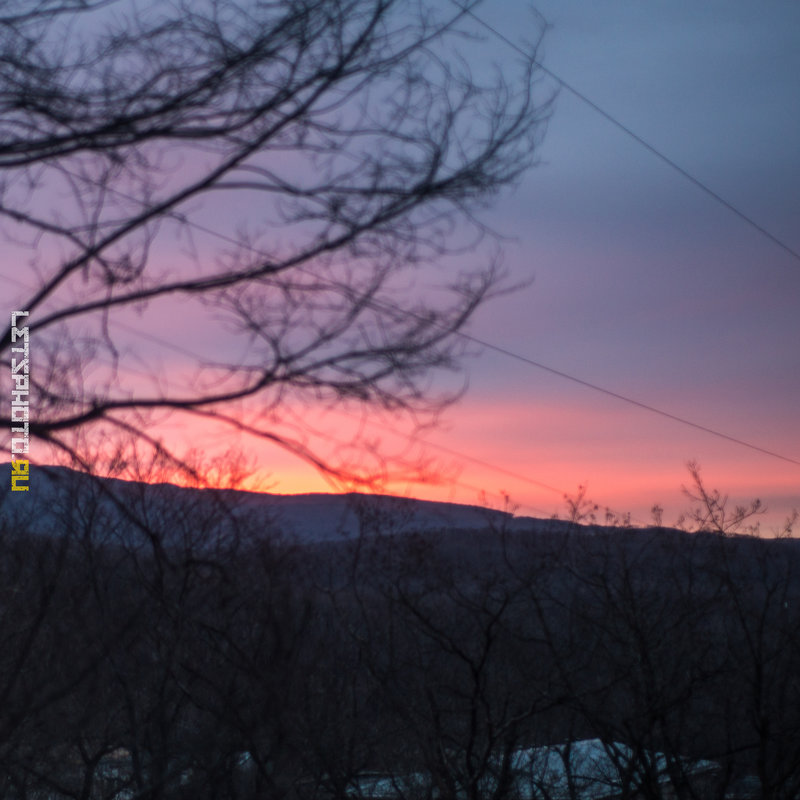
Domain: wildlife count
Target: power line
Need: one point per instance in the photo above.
(629, 400)
(553, 371)
(496, 348)
(641, 141)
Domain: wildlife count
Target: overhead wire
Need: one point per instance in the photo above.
(638, 139)
(546, 368)
(507, 353)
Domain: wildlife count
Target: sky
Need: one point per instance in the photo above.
(633, 279)
(642, 283)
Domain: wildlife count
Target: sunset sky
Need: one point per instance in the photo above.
(643, 284)
(635, 280)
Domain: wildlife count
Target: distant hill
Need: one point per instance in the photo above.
(303, 517)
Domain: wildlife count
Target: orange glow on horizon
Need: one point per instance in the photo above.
(535, 454)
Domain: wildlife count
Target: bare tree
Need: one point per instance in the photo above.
(759, 580)
(450, 663)
(355, 140)
(710, 511)
(135, 670)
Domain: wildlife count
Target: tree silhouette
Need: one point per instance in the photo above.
(355, 144)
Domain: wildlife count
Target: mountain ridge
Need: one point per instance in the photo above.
(315, 516)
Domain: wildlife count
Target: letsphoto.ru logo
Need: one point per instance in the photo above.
(20, 402)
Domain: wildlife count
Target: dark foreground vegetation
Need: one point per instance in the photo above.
(164, 659)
